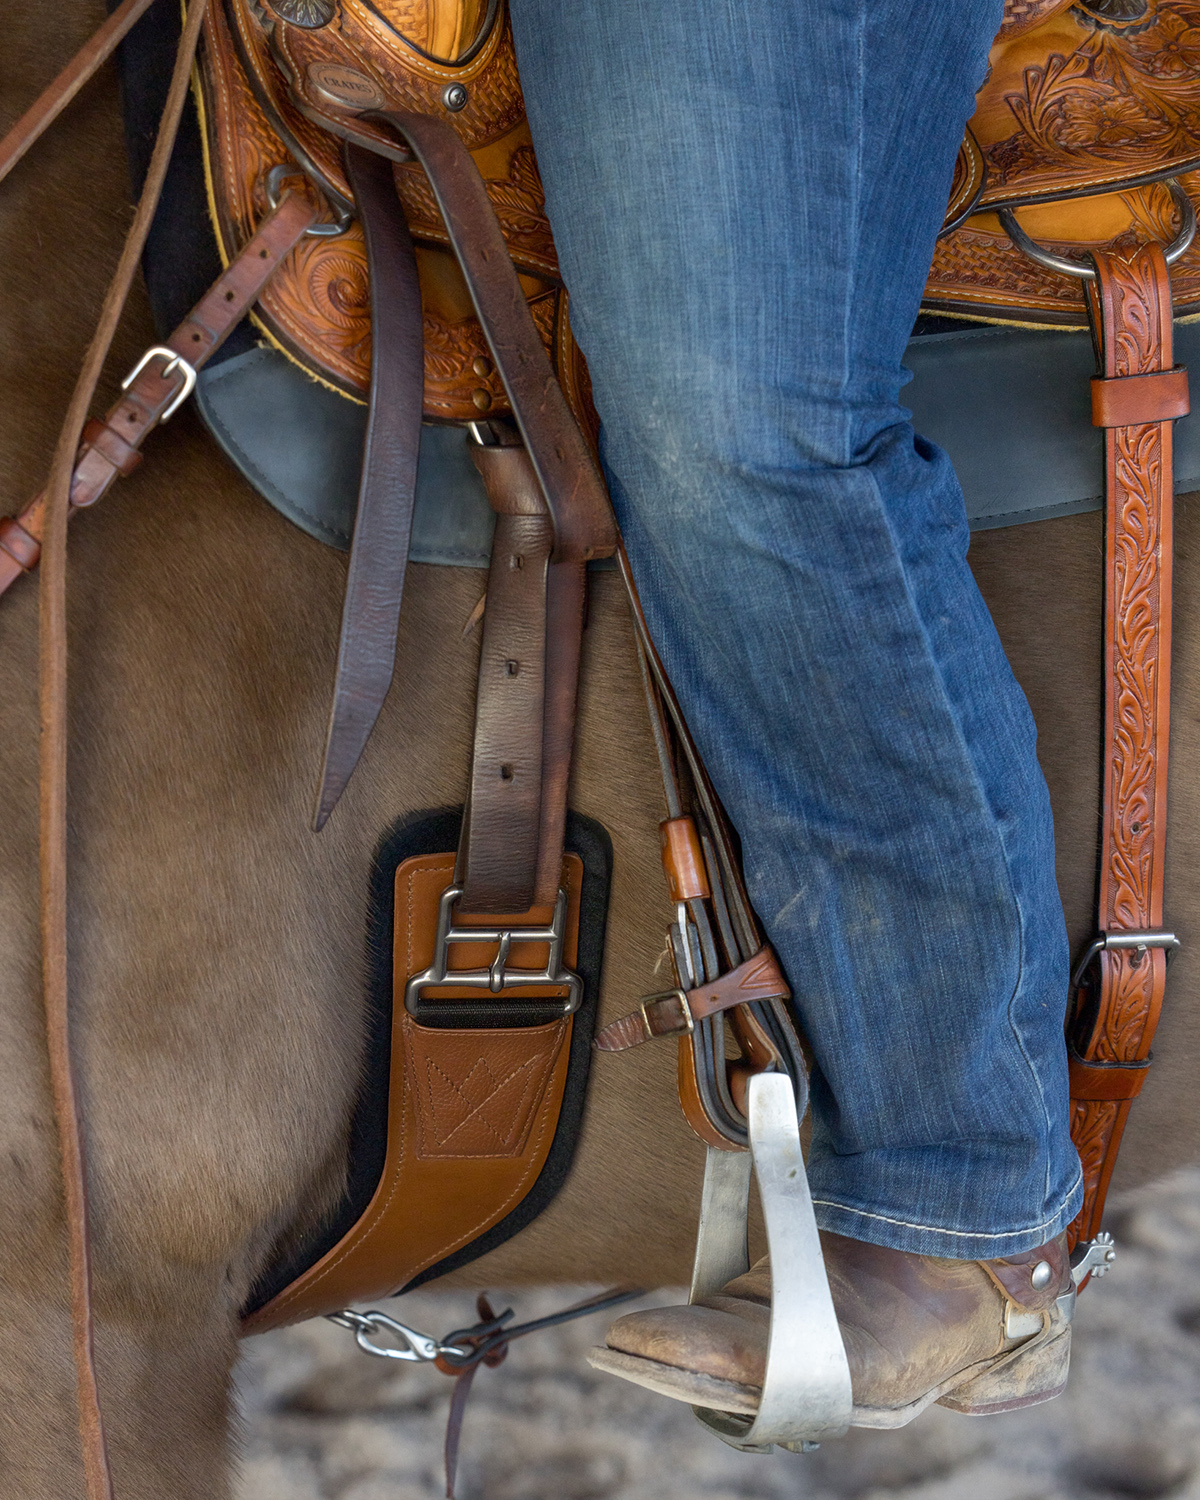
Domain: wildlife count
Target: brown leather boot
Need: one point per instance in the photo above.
(980, 1336)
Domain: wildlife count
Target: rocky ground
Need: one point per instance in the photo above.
(325, 1422)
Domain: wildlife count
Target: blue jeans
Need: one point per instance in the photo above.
(745, 196)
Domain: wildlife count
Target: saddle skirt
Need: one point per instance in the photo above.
(274, 84)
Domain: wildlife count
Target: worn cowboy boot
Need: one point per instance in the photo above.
(980, 1336)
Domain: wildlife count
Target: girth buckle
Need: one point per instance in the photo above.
(499, 975)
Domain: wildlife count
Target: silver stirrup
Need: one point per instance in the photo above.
(806, 1389)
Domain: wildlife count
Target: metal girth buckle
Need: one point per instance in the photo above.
(174, 362)
(498, 976)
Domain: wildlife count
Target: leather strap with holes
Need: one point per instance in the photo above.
(1135, 398)
(110, 446)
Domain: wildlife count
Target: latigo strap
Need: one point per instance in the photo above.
(387, 490)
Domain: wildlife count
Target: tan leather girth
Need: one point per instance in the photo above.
(1114, 1024)
(471, 1114)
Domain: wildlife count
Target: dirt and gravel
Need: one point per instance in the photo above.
(325, 1422)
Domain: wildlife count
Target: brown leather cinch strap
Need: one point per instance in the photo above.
(387, 491)
(1135, 398)
(110, 447)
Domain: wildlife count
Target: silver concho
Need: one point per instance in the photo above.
(311, 14)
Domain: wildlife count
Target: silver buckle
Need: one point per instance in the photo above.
(497, 977)
(173, 362)
(1138, 941)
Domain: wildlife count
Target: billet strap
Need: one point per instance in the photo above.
(511, 849)
(569, 493)
(387, 490)
(498, 854)
(52, 685)
(166, 373)
(47, 107)
(1135, 397)
(584, 527)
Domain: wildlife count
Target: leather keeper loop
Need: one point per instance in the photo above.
(683, 860)
(1131, 400)
(757, 978)
(104, 440)
(1106, 1081)
(17, 542)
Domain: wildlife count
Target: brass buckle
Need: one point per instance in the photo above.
(685, 1008)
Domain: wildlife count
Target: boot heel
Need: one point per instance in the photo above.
(1034, 1376)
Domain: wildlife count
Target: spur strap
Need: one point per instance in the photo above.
(165, 375)
(1135, 398)
(387, 491)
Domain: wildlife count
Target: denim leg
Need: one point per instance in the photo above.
(745, 196)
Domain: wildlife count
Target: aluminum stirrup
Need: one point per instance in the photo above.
(806, 1389)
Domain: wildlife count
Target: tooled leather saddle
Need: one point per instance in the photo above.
(371, 177)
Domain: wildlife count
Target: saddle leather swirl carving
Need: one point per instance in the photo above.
(268, 73)
(1080, 114)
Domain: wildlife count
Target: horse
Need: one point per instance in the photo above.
(217, 944)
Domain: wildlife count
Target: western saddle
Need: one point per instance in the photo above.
(377, 206)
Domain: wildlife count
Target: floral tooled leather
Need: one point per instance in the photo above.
(1074, 120)
(318, 306)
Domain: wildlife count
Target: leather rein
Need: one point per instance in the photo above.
(553, 516)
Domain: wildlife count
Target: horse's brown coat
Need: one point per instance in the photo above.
(217, 943)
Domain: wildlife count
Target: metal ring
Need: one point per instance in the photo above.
(1067, 265)
(278, 175)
